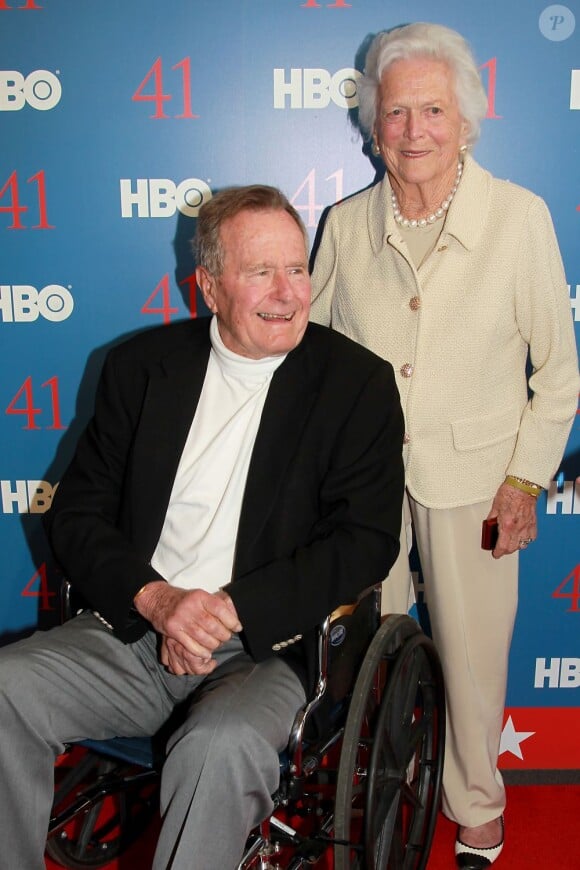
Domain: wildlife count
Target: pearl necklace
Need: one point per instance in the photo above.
(412, 223)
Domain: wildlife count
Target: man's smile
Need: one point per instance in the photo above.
(266, 316)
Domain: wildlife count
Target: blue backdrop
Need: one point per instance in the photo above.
(117, 120)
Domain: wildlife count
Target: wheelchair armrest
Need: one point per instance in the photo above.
(295, 743)
(325, 641)
(65, 601)
(71, 602)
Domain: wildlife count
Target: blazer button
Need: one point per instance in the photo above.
(414, 303)
(406, 370)
(406, 438)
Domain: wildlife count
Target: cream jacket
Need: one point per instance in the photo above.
(489, 300)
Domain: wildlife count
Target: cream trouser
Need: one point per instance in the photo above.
(472, 602)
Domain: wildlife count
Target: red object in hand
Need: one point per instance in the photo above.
(489, 533)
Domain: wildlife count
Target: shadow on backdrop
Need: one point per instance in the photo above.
(48, 613)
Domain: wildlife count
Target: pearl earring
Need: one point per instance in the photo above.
(375, 149)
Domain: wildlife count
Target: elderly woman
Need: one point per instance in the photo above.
(456, 278)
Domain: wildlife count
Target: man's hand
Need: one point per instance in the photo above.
(193, 623)
(516, 515)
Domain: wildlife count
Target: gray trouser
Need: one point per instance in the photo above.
(78, 681)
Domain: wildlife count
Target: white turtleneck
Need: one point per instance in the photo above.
(196, 546)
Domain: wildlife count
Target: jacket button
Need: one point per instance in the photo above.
(406, 370)
(414, 303)
(406, 438)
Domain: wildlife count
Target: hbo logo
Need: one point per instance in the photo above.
(41, 90)
(315, 88)
(21, 303)
(161, 197)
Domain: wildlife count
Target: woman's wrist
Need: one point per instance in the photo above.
(528, 486)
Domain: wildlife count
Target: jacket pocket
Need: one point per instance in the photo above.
(474, 433)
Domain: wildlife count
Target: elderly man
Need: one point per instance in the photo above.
(240, 478)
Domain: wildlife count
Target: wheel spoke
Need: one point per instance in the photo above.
(95, 836)
(87, 830)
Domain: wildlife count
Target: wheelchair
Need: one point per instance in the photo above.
(360, 779)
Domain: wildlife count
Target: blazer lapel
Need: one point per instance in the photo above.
(168, 410)
(292, 394)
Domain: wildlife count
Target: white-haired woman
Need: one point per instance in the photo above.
(456, 278)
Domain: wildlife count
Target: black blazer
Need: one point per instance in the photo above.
(321, 512)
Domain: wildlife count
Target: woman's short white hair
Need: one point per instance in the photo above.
(423, 40)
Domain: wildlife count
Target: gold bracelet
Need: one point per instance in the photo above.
(137, 594)
(524, 485)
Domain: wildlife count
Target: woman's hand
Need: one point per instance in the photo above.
(516, 516)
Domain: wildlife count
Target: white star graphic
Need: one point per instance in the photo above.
(511, 739)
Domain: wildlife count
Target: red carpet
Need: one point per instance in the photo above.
(541, 833)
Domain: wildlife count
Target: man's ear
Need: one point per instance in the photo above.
(206, 284)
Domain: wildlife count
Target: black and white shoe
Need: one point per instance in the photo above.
(476, 858)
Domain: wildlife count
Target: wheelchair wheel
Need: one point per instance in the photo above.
(119, 808)
(390, 768)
